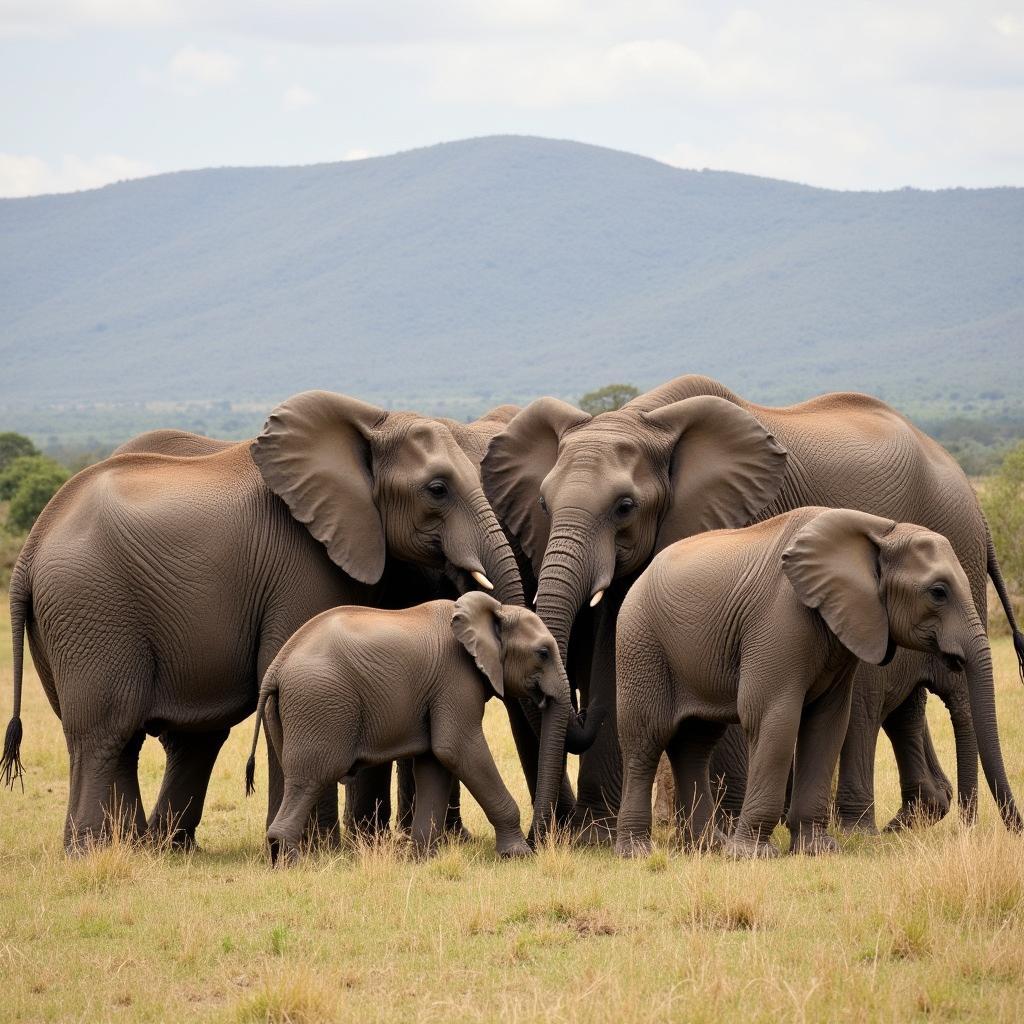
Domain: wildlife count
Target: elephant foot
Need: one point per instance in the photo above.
(514, 849)
(744, 844)
(812, 841)
(458, 833)
(915, 813)
(631, 847)
(283, 853)
(182, 840)
(857, 821)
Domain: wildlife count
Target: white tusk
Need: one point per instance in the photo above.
(535, 596)
(596, 599)
(482, 580)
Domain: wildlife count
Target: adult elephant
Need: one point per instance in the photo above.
(592, 499)
(157, 588)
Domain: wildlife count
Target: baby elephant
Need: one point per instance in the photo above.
(765, 626)
(355, 687)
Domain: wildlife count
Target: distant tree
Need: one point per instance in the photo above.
(13, 446)
(16, 471)
(38, 483)
(1003, 501)
(608, 398)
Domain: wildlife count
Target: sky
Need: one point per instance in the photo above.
(848, 95)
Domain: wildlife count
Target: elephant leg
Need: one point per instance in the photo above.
(368, 802)
(525, 719)
(179, 805)
(855, 791)
(600, 779)
(772, 734)
(472, 763)
(924, 798)
(453, 827)
(95, 800)
(819, 741)
(728, 770)
(433, 783)
(642, 750)
(125, 799)
(286, 831)
(689, 752)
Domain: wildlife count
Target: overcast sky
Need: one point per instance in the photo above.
(849, 95)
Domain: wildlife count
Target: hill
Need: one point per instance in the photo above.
(497, 269)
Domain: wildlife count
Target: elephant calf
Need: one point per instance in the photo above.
(764, 626)
(356, 687)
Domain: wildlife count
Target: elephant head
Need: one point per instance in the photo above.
(519, 658)
(592, 499)
(879, 585)
(368, 483)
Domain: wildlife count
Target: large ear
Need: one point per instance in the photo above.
(476, 624)
(725, 467)
(832, 563)
(314, 453)
(515, 465)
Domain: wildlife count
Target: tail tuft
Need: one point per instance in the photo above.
(11, 767)
(1018, 646)
(250, 775)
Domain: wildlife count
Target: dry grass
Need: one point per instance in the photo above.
(928, 925)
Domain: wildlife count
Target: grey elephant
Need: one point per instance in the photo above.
(764, 626)
(357, 686)
(592, 499)
(156, 589)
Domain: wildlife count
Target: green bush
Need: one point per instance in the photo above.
(33, 481)
(1003, 501)
(608, 398)
(13, 446)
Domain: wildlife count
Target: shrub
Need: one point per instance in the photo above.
(38, 483)
(1003, 501)
(608, 398)
(13, 446)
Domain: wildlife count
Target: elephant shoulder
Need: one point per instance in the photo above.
(181, 443)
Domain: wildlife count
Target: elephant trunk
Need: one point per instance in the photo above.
(551, 762)
(983, 712)
(966, 756)
(498, 559)
(567, 575)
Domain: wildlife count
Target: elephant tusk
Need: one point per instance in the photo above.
(596, 599)
(535, 596)
(482, 580)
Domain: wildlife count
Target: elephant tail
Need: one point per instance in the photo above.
(11, 767)
(267, 690)
(996, 575)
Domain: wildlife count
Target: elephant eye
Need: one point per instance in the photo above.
(624, 506)
(938, 593)
(543, 653)
(438, 488)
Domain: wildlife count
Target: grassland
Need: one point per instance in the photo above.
(928, 925)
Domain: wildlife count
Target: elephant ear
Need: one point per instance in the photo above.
(516, 463)
(314, 453)
(476, 623)
(833, 565)
(725, 467)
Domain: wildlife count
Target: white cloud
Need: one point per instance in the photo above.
(29, 175)
(296, 97)
(193, 67)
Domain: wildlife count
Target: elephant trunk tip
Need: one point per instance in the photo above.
(1018, 646)
(250, 775)
(11, 767)
(583, 728)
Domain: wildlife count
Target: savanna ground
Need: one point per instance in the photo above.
(923, 925)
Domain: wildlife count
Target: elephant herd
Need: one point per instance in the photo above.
(753, 591)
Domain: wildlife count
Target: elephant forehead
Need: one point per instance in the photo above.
(929, 554)
(432, 448)
(599, 452)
